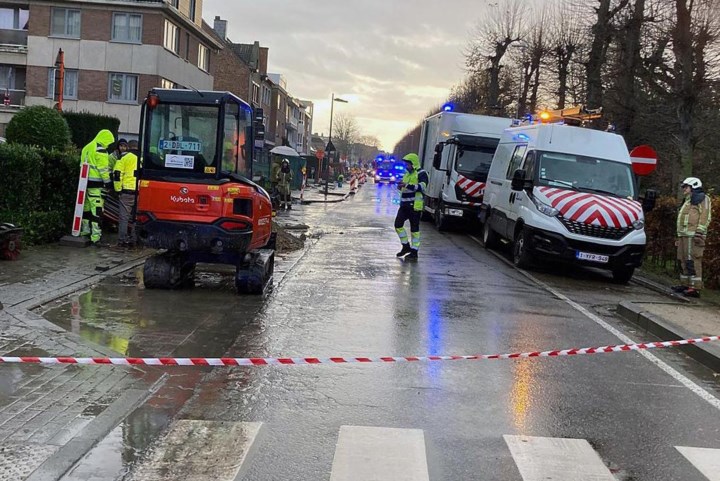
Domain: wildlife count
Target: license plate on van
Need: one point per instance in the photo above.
(586, 256)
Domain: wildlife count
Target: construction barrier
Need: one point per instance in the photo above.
(353, 184)
(282, 361)
(80, 199)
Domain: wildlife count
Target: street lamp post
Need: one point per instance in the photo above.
(330, 149)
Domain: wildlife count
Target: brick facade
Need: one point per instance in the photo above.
(92, 84)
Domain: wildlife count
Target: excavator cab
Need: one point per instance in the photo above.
(196, 201)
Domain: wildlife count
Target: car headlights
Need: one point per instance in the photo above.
(545, 209)
(638, 224)
(392, 177)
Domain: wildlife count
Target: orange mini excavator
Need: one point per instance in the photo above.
(196, 202)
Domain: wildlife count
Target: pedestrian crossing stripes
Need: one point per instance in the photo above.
(222, 451)
(559, 459)
(199, 451)
(379, 454)
(706, 460)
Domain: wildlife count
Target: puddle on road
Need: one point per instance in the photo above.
(120, 314)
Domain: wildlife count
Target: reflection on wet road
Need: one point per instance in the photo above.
(350, 296)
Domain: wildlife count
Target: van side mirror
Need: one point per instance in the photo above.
(437, 158)
(520, 182)
(648, 202)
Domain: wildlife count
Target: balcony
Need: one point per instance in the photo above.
(17, 99)
(13, 41)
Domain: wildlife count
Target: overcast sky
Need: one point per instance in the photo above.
(392, 59)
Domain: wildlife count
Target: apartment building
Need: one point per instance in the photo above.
(114, 50)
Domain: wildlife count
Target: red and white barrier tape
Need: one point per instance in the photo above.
(265, 361)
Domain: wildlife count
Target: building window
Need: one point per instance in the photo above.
(70, 84)
(65, 23)
(255, 92)
(175, 3)
(127, 27)
(192, 10)
(172, 37)
(7, 77)
(14, 18)
(204, 58)
(266, 95)
(123, 87)
(167, 84)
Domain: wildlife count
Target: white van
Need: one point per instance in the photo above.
(456, 151)
(569, 193)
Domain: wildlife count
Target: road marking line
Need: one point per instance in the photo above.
(380, 454)
(559, 459)
(199, 450)
(706, 460)
(681, 378)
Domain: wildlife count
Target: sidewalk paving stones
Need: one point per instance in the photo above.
(672, 320)
(45, 408)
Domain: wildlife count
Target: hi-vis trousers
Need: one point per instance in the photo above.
(690, 252)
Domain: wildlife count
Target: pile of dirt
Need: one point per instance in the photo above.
(286, 242)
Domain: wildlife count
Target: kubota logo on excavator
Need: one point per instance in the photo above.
(182, 200)
(184, 190)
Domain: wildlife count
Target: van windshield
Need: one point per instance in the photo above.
(474, 162)
(585, 174)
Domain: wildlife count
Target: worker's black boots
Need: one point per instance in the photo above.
(413, 255)
(405, 251)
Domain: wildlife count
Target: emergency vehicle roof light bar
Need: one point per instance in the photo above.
(577, 114)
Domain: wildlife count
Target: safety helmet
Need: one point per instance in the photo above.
(285, 161)
(693, 182)
(412, 159)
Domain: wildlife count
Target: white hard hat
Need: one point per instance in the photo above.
(693, 182)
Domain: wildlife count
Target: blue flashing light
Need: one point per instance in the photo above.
(380, 158)
(522, 137)
(448, 107)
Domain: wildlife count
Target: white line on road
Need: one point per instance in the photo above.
(559, 459)
(199, 450)
(706, 460)
(380, 454)
(681, 378)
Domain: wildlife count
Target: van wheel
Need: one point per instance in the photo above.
(623, 275)
(489, 237)
(521, 249)
(441, 221)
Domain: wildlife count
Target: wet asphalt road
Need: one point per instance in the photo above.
(349, 295)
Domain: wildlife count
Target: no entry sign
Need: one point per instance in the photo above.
(644, 159)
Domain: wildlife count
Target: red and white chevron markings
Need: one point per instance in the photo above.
(604, 211)
(471, 187)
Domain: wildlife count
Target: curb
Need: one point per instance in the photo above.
(57, 465)
(659, 288)
(706, 354)
(345, 196)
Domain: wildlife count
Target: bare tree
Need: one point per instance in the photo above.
(695, 29)
(345, 132)
(503, 25)
(602, 32)
(565, 39)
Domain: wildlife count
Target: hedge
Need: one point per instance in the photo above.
(37, 190)
(40, 126)
(84, 126)
(660, 226)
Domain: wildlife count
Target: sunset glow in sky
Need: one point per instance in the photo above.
(393, 60)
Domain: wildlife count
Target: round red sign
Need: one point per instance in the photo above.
(644, 159)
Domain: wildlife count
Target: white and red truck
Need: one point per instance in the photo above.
(456, 150)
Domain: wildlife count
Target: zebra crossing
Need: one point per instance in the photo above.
(223, 451)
